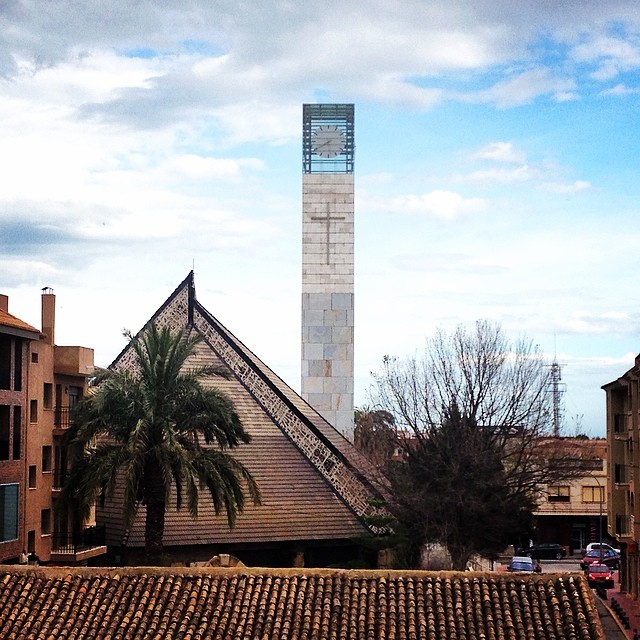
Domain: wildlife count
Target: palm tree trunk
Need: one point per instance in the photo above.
(154, 523)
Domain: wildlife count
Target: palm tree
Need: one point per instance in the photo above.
(375, 434)
(145, 428)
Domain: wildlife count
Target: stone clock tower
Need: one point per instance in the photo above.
(327, 262)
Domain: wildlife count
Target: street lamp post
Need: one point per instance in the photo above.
(600, 501)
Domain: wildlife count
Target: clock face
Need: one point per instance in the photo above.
(327, 141)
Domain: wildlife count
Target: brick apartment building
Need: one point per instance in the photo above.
(623, 436)
(40, 382)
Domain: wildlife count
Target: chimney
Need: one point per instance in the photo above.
(4, 303)
(48, 315)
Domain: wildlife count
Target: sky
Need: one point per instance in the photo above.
(496, 171)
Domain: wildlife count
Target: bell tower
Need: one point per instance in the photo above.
(328, 262)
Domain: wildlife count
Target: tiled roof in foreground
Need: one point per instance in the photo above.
(293, 603)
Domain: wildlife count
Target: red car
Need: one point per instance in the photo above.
(601, 556)
(599, 575)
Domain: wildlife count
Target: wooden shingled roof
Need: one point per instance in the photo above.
(282, 604)
(314, 483)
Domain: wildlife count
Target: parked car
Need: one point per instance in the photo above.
(546, 550)
(523, 563)
(596, 545)
(599, 575)
(601, 556)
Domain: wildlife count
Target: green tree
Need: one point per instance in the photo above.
(153, 429)
(452, 490)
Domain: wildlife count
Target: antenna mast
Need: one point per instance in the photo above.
(557, 390)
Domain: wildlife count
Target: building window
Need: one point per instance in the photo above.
(32, 476)
(33, 411)
(46, 459)
(34, 357)
(45, 522)
(5, 431)
(31, 541)
(17, 366)
(8, 512)
(6, 345)
(593, 494)
(17, 432)
(558, 494)
(47, 398)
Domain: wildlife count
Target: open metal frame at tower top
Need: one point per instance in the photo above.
(336, 115)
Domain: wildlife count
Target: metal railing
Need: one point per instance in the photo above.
(620, 423)
(58, 479)
(62, 417)
(623, 525)
(621, 474)
(88, 538)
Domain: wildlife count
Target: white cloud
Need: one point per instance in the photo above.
(620, 90)
(573, 187)
(441, 204)
(612, 54)
(501, 152)
(525, 87)
(500, 175)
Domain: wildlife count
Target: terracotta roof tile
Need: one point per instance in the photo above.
(279, 604)
(7, 320)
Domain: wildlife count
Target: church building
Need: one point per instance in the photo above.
(317, 489)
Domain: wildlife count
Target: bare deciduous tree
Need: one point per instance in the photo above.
(498, 386)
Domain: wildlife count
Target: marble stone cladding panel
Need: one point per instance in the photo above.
(314, 384)
(341, 335)
(313, 351)
(320, 401)
(335, 318)
(319, 301)
(320, 334)
(342, 301)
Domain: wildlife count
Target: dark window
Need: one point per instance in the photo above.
(619, 423)
(34, 357)
(5, 431)
(47, 397)
(46, 459)
(558, 493)
(17, 432)
(31, 541)
(5, 362)
(620, 475)
(33, 411)
(17, 366)
(8, 512)
(75, 395)
(32, 476)
(45, 521)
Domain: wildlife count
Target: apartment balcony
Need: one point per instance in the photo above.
(624, 528)
(78, 546)
(58, 480)
(61, 420)
(620, 426)
(73, 361)
(621, 474)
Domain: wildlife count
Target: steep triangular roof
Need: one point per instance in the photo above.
(313, 481)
